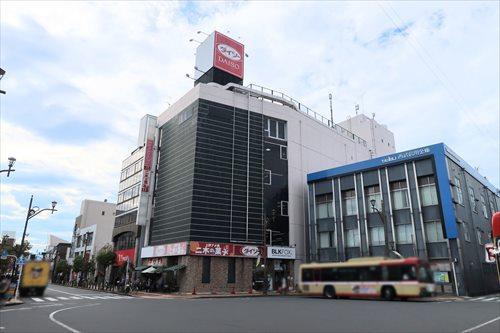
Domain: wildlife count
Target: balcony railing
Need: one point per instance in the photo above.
(310, 113)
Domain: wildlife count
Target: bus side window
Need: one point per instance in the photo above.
(348, 274)
(307, 275)
(328, 274)
(370, 273)
(317, 275)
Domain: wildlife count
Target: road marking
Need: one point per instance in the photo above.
(64, 292)
(481, 325)
(63, 298)
(51, 299)
(75, 297)
(88, 297)
(478, 298)
(51, 317)
(488, 299)
(37, 299)
(18, 309)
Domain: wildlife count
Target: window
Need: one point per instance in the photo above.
(427, 188)
(377, 236)
(276, 129)
(399, 195)
(349, 198)
(324, 206)
(231, 270)
(472, 199)
(205, 274)
(326, 239)
(185, 115)
(102, 213)
(404, 233)
(267, 177)
(465, 229)
(492, 207)
(373, 193)
(352, 238)
(479, 235)
(89, 238)
(79, 241)
(458, 191)
(284, 208)
(434, 231)
(283, 152)
(485, 210)
(307, 275)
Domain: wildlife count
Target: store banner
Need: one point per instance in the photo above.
(123, 255)
(167, 250)
(148, 161)
(228, 55)
(280, 252)
(224, 250)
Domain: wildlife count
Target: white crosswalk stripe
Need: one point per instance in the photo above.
(37, 299)
(63, 298)
(488, 299)
(79, 297)
(478, 298)
(51, 299)
(75, 297)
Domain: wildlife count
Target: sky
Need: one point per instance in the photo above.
(80, 75)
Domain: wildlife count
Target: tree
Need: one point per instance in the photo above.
(91, 266)
(78, 264)
(105, 257)
(62, 269)
(5, 265)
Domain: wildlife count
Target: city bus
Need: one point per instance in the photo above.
(368, 277)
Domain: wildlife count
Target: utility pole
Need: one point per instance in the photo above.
(331, 108)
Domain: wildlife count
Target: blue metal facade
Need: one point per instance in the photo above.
(438, 152)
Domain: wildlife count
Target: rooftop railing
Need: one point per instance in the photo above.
(310, 113)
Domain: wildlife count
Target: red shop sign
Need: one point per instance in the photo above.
(224, 250)
(123, 255)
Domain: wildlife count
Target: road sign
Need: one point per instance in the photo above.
(21, 261)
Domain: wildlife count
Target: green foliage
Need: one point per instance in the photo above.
(78, 264)
(105, 257)
(90, 266)
(11, 250)
(63, 267)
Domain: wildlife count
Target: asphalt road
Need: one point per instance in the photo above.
(65, 309)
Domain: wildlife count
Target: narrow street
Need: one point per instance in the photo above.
(64, 309)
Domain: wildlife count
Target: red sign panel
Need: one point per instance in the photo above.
(122, 256)
(228, 55)
(225, 250)
(148, 161)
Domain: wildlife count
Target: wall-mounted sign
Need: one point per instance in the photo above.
(490, 252)
(441, 277)
(122, 256)
(279, 252)
(228, 55)
(154, 261)
(224, 250)
(148, 161)
(167, 250)
(406, 155)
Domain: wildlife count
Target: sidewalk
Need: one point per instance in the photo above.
(152, 295)
(12, 302)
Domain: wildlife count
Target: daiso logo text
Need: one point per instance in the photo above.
(229, 52)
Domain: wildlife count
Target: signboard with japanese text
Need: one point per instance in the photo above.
(228, 55)
(225, 250)
(122, 256)
(155, 261)
(148, 161)
(167, 250)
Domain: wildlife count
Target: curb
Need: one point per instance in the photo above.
(207, 296)
(12, 303)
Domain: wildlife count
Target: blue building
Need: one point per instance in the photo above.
(426, 202)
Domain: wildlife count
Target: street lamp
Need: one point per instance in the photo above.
(12, 160)
(32, 212)
(388, 248)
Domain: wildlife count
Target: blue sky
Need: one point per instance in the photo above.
(80, 75)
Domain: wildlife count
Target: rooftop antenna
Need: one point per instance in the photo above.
(356, 108)
(373, 115)
(331, 108)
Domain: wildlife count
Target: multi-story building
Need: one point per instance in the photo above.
(432, 203)
(57, 249)
(93, 228)
(229, 169)
(378, 137)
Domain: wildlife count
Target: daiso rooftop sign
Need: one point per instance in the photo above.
(228, 55)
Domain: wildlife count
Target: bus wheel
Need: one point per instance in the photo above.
(388, 293)
(329, 292)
